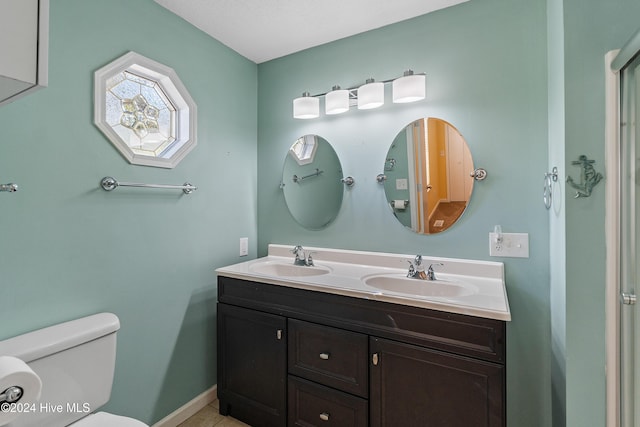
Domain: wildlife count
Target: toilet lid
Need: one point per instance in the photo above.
(105, 419)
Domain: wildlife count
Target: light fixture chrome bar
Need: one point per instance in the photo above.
(11, 187)
(109, 183)
(353, 94)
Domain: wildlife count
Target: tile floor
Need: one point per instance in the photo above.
(209, 417)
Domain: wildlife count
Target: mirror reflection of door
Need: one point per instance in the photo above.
(438, 166)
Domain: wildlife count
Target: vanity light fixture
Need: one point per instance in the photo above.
(306, 107)
(370, 95)
(336, 101)
(408, 88)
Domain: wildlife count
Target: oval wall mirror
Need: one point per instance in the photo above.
(311, 182)
(428, 172)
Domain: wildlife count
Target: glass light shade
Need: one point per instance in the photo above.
(336, 101)
(409, 88)
(370, 95)
(306, 107)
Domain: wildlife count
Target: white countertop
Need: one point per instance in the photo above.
(347, 271)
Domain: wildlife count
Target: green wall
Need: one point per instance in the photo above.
(591, 29)
(486, 66)
(69, 249)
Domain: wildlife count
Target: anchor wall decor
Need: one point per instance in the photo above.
(589, 178)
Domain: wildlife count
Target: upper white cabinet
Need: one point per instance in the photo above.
(24, 44)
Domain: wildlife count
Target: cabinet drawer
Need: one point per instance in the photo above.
(314, 405)
(329, 356)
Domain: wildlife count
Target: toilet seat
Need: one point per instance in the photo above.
(105, 419)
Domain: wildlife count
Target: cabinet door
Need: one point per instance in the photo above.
(419, 387)
(252, 366)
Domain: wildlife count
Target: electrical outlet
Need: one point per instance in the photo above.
(514, 245)
(244, 246)
(402, 184)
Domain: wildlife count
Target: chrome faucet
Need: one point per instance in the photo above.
(417, 271)
(301, 258)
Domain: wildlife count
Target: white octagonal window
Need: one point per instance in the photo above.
(145, 111)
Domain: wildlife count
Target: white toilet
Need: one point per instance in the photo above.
(75, 361)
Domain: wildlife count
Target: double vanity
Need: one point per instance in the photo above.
(332, 337)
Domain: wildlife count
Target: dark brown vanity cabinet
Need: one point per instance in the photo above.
(296, 357)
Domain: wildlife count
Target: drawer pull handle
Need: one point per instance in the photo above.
(324, 356)
(324, 416)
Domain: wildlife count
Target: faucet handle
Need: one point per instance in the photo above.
(430, 273)
(432, 264)
(309, 259)
(412, 269)
(418, 259)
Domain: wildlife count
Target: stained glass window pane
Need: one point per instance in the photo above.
(143, 113)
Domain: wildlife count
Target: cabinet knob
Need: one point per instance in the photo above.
(324, 416)
(279, 334)
(324, 356)
(375, 359)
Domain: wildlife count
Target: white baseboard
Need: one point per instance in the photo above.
(187, 410)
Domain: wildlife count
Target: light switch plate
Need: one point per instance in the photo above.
(515, 245)
(402, 184)
(244, 246)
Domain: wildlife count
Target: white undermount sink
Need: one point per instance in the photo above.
(400, 284)
(279, 269)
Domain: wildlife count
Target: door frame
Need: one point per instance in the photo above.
(612, 241)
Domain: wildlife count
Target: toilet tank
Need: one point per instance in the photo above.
(75, 361)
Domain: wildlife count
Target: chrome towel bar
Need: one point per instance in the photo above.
(109, 183)
(297, 178)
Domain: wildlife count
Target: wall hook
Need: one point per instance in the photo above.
(589, 178)
(11, 187)
(547, 192)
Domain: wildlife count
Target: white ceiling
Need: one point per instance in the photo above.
(262, 30)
